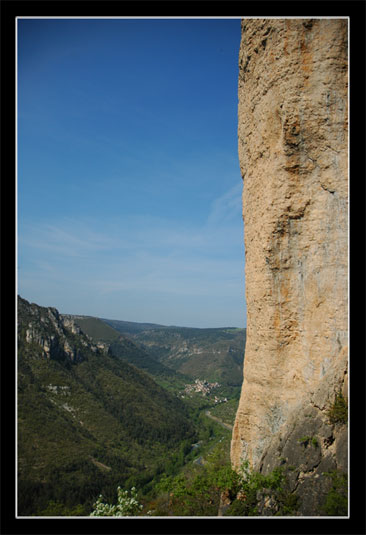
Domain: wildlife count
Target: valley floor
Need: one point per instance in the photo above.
(227, 426)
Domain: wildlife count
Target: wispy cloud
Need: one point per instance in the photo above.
(226, 208)
(85, 237)
(70, 238)
(141, 257)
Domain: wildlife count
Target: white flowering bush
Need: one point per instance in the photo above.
(127, 505)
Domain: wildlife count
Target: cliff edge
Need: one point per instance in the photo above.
(293, 152)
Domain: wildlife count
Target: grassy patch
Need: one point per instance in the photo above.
(305, 441)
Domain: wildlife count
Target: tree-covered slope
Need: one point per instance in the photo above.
(122, 346)
(94, 327)
(87, 420)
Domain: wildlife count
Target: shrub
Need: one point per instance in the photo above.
(336, 503)
(59, 509)
(198, 493)
(305, 441)
(254, 486)
(126, 505)
(338, 412)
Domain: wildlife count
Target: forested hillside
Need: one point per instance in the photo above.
(87, 420)
(122, 346)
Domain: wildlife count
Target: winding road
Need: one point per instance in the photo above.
(227, 426)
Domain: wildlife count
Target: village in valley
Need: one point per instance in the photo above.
(204, 388)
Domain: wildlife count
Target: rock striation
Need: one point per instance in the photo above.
(293, 152)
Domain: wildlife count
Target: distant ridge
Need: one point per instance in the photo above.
(131, 326)
(214, 354)
(136, 327)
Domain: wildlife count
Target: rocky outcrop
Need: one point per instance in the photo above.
(56, 336)
(313, 445)
(292, 134)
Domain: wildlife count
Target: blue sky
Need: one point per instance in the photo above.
(129, 186)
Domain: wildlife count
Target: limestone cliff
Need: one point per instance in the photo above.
(46, 328)
(293, 152)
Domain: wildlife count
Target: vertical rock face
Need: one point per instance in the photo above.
(293, 151)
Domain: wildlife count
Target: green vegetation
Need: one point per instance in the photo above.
(87, 421)
(196, 491)
(59, 509)
(305, 441)
(338, 412)
(226, 411)
(120, 346)
(134, 353)
(139, 357)
(96, 328)
(210, 354)
(336, 503)
(263, 493)
(199, 488)
(127, 505)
